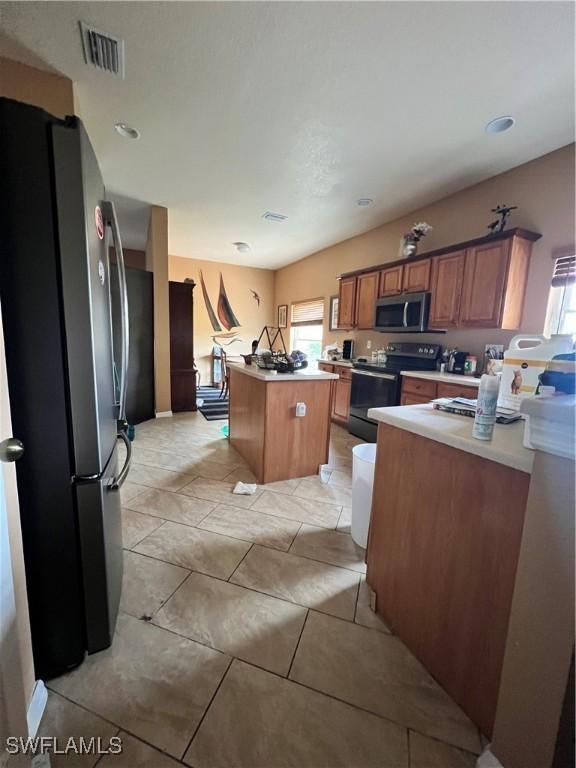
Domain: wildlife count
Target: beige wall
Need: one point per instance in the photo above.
(239, 283)
(54, 93)
(544, 191)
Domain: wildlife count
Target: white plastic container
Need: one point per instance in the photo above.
(363, 461)
(486, 404)
(525, 359)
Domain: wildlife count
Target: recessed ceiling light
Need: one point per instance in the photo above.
(126, 131)
(270, 216)
(242, 247)
(500, 124)
(364, 201)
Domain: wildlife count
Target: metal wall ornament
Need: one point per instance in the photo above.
(282, 315)
(503, 212)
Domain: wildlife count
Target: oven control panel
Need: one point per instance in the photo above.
(421, 350)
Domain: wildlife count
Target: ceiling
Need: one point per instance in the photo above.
(301, 108)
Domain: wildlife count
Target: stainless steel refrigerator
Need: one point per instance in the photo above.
(67, 383)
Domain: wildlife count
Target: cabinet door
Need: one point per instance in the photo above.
(484, 285)
(342, 399)
(391, 281)
(417, 276)
(346, 303)
(457, 390)
(446, 286)
(409, 399)
(366, 295)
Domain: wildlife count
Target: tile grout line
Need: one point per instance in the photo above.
(297, 645)
(239, 564)
(212, 698)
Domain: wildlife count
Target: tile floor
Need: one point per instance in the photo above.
(246, 637)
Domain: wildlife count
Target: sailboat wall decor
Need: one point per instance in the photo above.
(225, 312)
(209, 308)
(226, 315)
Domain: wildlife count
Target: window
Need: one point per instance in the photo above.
(562, 302)
(306, 321)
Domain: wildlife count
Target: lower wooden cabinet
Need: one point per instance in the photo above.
(408, 399)
(420, 391)
(340, 391)
(341, 401)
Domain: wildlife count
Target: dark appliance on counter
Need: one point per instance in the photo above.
(457, 362)
(405, 313)
(378, 386)
(347, 349)
(67, 382)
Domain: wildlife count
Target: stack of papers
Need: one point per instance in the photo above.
(466, 407)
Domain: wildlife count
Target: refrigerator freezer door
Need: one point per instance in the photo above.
(86, 298)
(100, 535)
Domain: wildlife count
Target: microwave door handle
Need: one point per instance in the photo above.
(405, 316)
(112, 219)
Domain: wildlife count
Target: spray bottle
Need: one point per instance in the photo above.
(486, 407)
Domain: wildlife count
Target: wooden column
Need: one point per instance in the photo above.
(157, 262)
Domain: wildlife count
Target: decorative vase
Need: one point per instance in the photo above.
(409, 247)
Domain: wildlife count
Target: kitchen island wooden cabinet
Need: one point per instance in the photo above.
(264, 428)
(445, 531)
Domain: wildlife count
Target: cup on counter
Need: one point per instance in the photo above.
(470, 365)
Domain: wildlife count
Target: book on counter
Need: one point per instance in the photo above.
(466, 407)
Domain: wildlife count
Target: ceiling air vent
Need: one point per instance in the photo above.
(102, 51)
(274, 216)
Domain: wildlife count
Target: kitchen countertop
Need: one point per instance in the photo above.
(309, 374)
(451, 429)
(446, 378)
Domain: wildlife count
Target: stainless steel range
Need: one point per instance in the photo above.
(378, 386)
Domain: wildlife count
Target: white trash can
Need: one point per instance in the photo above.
(363, 461)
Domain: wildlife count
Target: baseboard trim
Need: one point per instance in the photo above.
(37, 707)
(488, 759)
(163, 414)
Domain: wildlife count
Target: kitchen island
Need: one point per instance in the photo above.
(447, 520)
(264, 428)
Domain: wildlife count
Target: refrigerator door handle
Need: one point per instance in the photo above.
(123, 474)
(111, 219)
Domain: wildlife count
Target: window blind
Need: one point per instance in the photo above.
(307, 312)
(564, 271)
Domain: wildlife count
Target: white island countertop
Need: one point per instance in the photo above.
(505, 448)
(308, 374)
(446, 378)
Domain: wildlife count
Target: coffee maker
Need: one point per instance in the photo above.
(458, 359)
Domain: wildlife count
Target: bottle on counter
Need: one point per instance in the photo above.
(486, 404)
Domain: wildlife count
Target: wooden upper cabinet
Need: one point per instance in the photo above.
(417, 276)
(391, 281)
(346, 303)
(494, 284)
(366, 295)
(484, 284)
(446, 287)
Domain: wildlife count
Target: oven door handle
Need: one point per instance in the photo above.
(388, 376)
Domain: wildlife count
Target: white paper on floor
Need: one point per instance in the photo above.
(245, 488)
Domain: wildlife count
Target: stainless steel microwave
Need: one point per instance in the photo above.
(405, 313)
